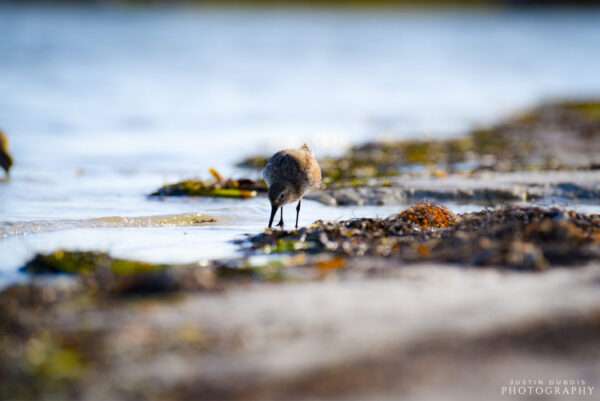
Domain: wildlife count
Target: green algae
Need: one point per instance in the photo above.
(49, 359)
(201, 188)
(87, 263)
(103, 275)
(219, 187)
(289, 246)
(272, 271)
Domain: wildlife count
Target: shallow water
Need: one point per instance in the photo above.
(103, 105)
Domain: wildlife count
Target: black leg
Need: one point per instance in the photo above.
(273, 211)
(298, 212)
(280, 224)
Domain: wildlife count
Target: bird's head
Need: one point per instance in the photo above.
(279, 194)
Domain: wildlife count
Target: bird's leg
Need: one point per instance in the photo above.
(298, 212)
(273, 211)
(280, 224)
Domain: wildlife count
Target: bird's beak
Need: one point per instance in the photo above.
(273, 211)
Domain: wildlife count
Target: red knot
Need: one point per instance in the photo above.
(290, 173)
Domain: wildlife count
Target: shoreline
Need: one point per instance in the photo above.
(399, 306)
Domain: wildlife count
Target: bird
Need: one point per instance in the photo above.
(289, 174)
(6, 160)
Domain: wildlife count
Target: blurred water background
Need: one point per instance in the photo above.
(105, 104)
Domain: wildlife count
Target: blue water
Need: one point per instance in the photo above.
(103, 105)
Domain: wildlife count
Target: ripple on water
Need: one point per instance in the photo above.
(8, 229)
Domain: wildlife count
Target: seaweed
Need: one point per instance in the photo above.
(86, 263)
(105, 275)
(219, 187)
(522, 238)
(428, 216)
(272, 271)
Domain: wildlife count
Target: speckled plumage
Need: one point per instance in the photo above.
(290, 173)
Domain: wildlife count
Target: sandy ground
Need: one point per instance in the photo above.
(420, 332)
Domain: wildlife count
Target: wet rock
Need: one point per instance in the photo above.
(112, 276)
(482, 188)
(86, 263)
(232, 189)
(219, 187)
(349, 197)
(324, 197)
(106, 276)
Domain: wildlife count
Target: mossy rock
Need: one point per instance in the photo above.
(74, 262)
(268, 272)
(104, 275)
(238, 189)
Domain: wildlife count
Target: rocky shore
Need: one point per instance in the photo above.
(549, 153)
(419, 304)
(423, 304)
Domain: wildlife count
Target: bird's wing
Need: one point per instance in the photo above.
(311, 168)
(282, 166)
(315, 176)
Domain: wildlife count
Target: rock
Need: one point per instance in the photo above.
(219, 187)
(487, 189)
